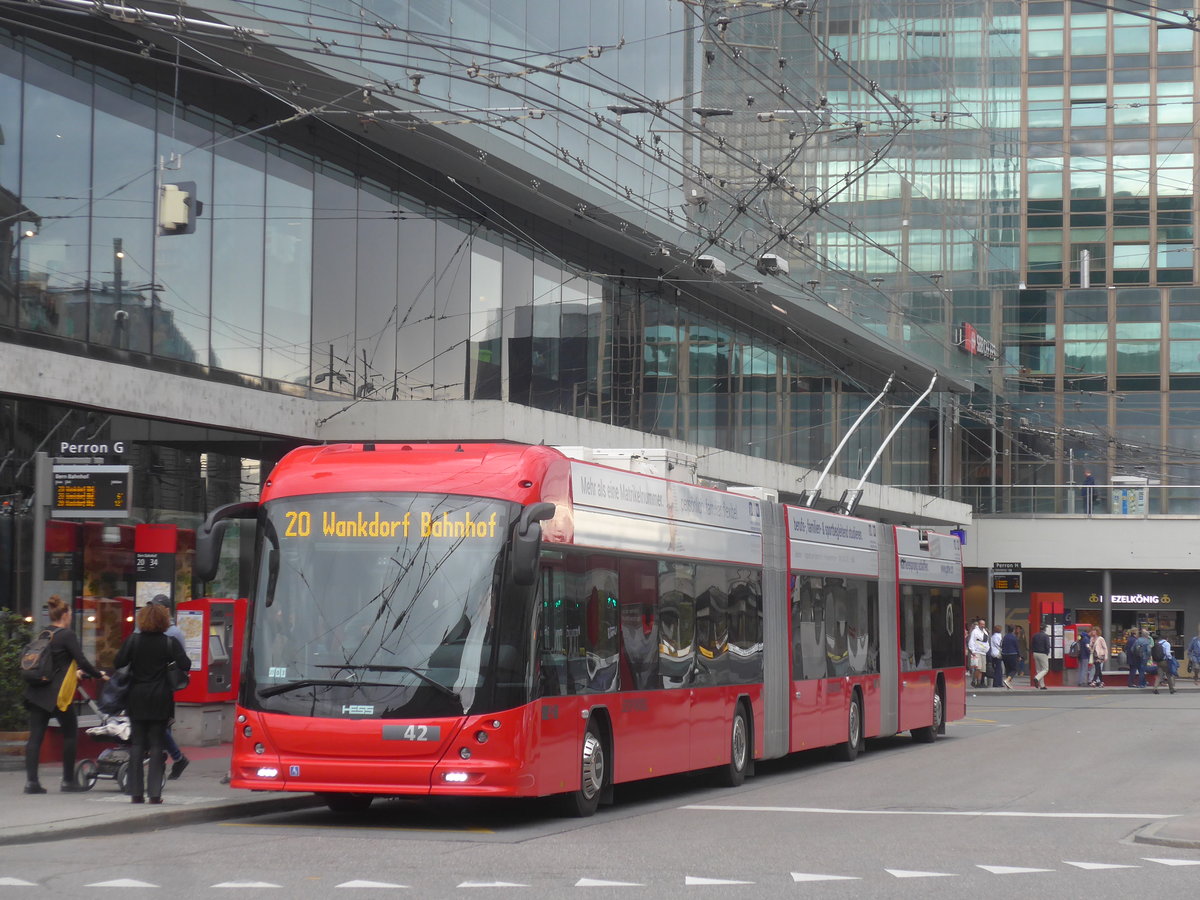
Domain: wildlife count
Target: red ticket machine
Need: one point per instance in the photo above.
(213, 634)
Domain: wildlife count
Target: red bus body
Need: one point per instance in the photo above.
(805, 614)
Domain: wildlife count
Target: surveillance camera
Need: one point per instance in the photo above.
(772, 264)
(710, 264)
(119, 316)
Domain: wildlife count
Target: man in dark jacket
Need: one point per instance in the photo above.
(45, 701)
(1039, 648)
(1010, 652)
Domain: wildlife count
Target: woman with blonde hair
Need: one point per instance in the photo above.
(56, 698)
(149, 653)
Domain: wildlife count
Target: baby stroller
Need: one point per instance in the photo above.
(113, 762)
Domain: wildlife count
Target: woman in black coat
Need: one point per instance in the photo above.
(42, 701)
(151, 702)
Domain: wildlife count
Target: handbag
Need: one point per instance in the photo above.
(115, 693)
(176, 677)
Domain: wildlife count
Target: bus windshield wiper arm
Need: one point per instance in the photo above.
(316, 682)
(371, 667)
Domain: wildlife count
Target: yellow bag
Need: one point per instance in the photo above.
(66, 693)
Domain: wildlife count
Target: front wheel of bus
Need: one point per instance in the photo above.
(848, 751)
(592, 776)
(734, 773)
(347, 803)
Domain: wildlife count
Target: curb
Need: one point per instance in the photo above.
(1150, 835)
(156, 819)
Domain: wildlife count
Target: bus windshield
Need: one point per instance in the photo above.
(377, 605)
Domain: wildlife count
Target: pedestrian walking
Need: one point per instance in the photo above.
(1010, 652)
(1164, 658)
(1144, 646)
(1085, 657)
(151, 703)
(1193, 656)
(55, 699)
(977, 645)
(1039, 648)
(1023, 651)
(996, 657)
(1099, 657)
(1133, 658)
(179, 762)
(1088, 492)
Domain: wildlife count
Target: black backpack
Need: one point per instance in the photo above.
(1157, 653)
(37, 665)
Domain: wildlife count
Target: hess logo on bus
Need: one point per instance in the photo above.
(358, 710)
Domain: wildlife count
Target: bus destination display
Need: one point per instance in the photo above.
(91, 491)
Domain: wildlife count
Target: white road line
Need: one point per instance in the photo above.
(1173, 862)
(808, 876)
(596, 882)
(1090, 866)
(1009, 870)
(907, 873)
(694, 881)
(16, 882)
(123, 883)
(369, 884)
(1001, 814)
(490, 884)
(246, 884)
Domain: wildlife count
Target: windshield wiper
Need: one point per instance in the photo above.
(316, 682)
(371, 667)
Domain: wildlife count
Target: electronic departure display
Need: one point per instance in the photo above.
(90, 491)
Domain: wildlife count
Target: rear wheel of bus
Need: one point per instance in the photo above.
(734, 772)
(849, 749)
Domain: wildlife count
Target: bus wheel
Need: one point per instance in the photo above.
(929, 733)
(592, 777)
(734, 773)
(347, 803)
(848, 750)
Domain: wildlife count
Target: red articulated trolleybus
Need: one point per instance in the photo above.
(502, 620)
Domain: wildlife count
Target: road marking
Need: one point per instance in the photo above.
(808, 876)
(1009, 870)
(596, 882)
(1089, 866)
(246, 884)
(16, 882)
(695, 881)
(1003, 814)
(906, 873)
(1173, 862)
(490, 884)
(369, 884)
(123, 883)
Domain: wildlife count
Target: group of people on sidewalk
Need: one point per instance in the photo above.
(996, 657)
(148, 653)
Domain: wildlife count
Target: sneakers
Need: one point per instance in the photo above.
(70, 787)
(177, 768)
(33, 787)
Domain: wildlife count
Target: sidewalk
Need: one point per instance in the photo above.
(198, 796)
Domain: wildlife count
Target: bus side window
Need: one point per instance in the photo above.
(638, 595)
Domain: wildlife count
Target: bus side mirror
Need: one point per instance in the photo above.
(527, 542)
(210, 534)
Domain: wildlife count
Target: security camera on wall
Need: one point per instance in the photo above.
(771, 264)
(710, 264)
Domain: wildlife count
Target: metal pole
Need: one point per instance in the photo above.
(993, 417)
(1106, 601)
(1071, 480)
(41, 503)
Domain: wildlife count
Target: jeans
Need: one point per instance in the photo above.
(1085, 672)
(171, 747)
(39, 721)
(1136, 677)
(146, 736)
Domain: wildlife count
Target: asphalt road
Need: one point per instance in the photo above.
(1032, 793)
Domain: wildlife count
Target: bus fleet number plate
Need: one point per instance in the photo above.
(412, 732)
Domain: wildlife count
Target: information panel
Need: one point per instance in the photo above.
(93, 492)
